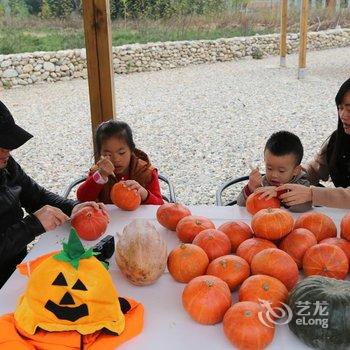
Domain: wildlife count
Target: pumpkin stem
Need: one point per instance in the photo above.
(265, 286)
(73, 251)
(209, 283)
(248, 313)
(223, 263)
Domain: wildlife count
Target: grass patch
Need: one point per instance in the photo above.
(35, 34)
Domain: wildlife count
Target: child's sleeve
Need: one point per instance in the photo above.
(90, 189)
(153, 189)
(242, 197)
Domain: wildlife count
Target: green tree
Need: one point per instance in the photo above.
(61, 8)
(45, 10)
(18, 8)
(34, 6)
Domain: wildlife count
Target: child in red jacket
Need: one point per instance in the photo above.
(120, 160)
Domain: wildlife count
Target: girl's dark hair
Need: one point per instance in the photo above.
(282, 143)
(114, 128)
(342, 140)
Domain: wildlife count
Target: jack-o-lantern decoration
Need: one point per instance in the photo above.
(70, 302)
(71, 290)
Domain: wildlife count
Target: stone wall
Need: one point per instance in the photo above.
(32, 68)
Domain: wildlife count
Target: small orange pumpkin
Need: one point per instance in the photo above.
(345, 227)
(252, 246)
(206, 299)
(341, 243)
(297, 243)
(230, 268)
(90, 223)
(321, 225)
(276, 263)
(169, 214)
(186, 262)
(237, 231)
(263, 287)
(326, 260)
(214, 242)
(272, 223)
(189, 227)
(244, 328)
(125, 198)
(254, 203)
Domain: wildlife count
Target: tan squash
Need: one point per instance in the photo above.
(141, 252)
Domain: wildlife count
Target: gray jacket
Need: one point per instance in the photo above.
(301, 179)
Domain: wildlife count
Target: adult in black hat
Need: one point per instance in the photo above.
(332, 161)
(46, 210)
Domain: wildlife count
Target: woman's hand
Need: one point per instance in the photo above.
(296, 194)
(134, 185)
(267, 192)
(94, 205)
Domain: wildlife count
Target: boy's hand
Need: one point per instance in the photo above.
(267, 192)
(105, 167)
(134, 185)
(254, 180)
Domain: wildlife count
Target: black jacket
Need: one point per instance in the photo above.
(17, 191)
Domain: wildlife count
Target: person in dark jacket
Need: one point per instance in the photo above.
(46, 210)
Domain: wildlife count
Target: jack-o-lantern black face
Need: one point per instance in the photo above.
(61, 298)
(70, 313)
(68, 291)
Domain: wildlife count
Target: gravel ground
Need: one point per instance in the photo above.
(201, 125)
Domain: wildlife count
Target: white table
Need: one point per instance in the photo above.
(167, 325)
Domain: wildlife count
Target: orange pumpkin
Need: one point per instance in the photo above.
(90, 223)
(186, 262)
(297, 243)
(189, 227)
(272, 223)
(237, 231)
(341, 243)
(254, 203)
(169, 214)
(345, 227)
(263, 287)
(206, 299)
(276, 263)
(231, 269)
(244, 328)
(125, 198)
(249, 248)
(326, 260)
(214, 242)
(321, 225)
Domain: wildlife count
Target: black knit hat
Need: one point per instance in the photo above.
(11, 135)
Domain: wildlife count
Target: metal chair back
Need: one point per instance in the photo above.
(171, 198)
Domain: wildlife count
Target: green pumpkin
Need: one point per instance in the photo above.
(321, 326)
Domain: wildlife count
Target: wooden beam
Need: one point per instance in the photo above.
(283, 36)
(331, 5)
(98, 41)
(303, 38)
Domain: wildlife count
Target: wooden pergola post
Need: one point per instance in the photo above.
(98, 41)
(283, 36)
(303, 38)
